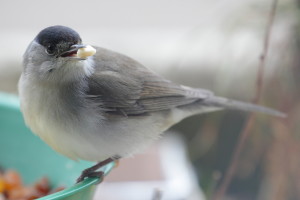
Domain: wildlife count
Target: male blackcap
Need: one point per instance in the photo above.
(94, 104)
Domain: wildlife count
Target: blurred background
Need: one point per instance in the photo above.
(212, 44)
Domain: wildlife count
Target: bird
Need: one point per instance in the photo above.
(91, 103)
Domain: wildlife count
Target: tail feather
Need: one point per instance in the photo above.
(238, 105)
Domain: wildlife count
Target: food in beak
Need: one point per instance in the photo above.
(86, 52)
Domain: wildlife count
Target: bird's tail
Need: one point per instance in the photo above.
(238, 105)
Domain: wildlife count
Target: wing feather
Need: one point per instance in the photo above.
(122, 86)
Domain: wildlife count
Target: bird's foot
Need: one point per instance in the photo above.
(90, 174)
(92, 171)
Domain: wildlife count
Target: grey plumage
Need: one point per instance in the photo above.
(125, 87)
(106, 105)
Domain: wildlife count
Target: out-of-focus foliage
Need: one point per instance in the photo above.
(269, 167)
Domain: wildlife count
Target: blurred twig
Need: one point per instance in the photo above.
(246, 131)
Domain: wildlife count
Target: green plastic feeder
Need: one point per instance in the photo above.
(21, 150)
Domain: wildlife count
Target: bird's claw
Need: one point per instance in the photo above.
(90, 174)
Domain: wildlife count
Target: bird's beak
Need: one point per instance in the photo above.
(73, 51)
(79, 51)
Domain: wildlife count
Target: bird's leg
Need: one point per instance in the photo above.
(91, 172)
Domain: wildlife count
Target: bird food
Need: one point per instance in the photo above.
(86, 51)
(12, 188)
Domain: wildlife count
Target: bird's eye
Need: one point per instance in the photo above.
(50, 50)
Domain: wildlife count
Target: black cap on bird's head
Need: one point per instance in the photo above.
(59, 41)
(57, 55)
